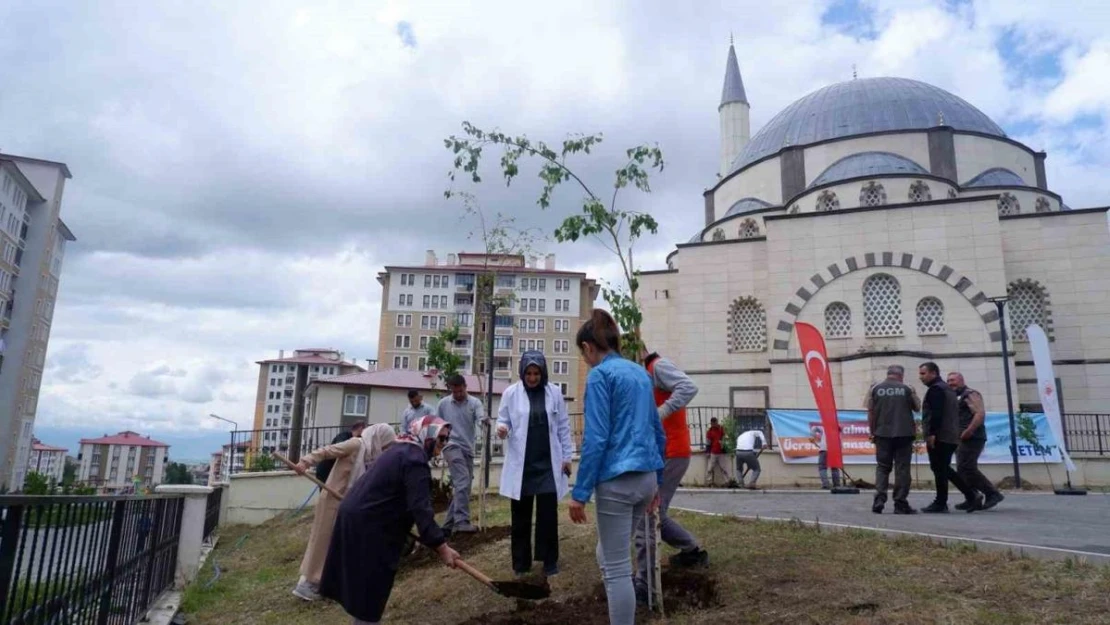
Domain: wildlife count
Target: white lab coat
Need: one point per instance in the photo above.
(513, 414)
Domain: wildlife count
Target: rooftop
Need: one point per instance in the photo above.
(133, 439)
(37, 445)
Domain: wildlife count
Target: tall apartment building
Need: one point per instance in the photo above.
(46, 460)
(32, 244)
(281, 384)
(122, 461)
(542, 309)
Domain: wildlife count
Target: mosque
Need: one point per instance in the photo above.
(888, 213)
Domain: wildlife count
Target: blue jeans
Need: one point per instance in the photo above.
(620, 502)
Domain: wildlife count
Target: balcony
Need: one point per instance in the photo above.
(288, 393)
(291, 378)
(502, 374)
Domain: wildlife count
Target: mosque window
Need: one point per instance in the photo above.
(1028, 305)
(952, 194)
(747, 326)
(827, 201)
(749, 229)
(882, 306)
(794, 209)
(919, 192)
(872, 194)
(930, 316)
(1008, 205)
(1043, 206)
(718, 235)
(838, 321)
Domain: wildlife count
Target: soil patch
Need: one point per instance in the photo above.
(463, 543)
(683, 590)
(441, 496)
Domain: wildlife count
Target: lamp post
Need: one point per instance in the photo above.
(493, 305)
(231, 460)
(1000, 303)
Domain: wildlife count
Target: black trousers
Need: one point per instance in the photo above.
(940, 461)
(967, 466)
(547, 531)
(896, 453)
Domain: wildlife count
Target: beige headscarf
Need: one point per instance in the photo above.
(375, 438)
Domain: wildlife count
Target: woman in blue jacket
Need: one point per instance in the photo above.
(621, 457)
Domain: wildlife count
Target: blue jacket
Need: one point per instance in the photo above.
(623, 432)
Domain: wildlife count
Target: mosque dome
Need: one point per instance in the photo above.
(867, 164)
(862, 106)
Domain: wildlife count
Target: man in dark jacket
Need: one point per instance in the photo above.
(973, 438)
(940, 425)
(323, 470)
(890, 407)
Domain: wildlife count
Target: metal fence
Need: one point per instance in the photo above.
(1087, 433)
(85, 560)
(212, 511)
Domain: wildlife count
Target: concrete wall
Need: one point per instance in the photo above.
(914, 146)
(897, 192)
(254, 498)
(975, 154)
(763, 181)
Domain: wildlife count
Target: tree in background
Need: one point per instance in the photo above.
(178, 473)
(69, 474)
(616, 229)
(441, 356)
(36, 484)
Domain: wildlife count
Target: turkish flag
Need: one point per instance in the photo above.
(816, 362)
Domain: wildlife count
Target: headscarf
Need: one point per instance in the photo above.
(534, 357)
(423, 431)
(374, 439)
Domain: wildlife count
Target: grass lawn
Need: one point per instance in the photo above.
(761, 572)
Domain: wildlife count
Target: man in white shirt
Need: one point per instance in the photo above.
(817, 437)
(748, 447)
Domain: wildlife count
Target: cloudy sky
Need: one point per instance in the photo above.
(242, 169)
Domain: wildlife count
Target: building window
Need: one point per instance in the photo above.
(827, 201)
(1008, 205)
(952, 194)
(718, 235)
(401, 299)
(560, 367)
(882, 306)
(1028, 306)
(919, 192)
(872, 194)
(424, 342)
(930, 316)
(1043, 206)
(354, 405)
(747, 326)
(838, 321)
(749, 229)
(794, 209)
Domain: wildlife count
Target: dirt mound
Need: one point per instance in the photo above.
(441, 496)
(463, 543)
(683, 590)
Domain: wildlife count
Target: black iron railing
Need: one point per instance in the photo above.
(85, 560)
(1087, 433)
(212, 511)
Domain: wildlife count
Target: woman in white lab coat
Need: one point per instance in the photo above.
(534, 423)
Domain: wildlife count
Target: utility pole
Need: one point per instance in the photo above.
(1000, 303)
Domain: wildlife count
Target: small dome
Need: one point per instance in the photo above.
(746, 205)
(996, 177)
(867, 164)
(862, 106)
(696, 238)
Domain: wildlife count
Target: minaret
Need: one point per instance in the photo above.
(735, 125)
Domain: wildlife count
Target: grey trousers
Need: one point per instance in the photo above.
(751, 459)
(893, 452)
(620, 502)
(715, 463)
(823, 470)
(460, 463)
(669, 530)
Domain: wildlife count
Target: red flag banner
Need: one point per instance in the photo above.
(816, 362)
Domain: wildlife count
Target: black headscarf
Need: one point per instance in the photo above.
(534, 357)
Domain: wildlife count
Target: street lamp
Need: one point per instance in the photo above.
(231, 459)
(1000, 303)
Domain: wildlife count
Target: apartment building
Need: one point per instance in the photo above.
(46, 460)
(280, 399)
(32, 245)
(122, 462)
(539, 307)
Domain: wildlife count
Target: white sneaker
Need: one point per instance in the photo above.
(306, 591)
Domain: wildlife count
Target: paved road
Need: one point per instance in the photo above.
(1039, 520)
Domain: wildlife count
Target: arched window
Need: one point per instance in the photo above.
(747, 326)
(872, 194)
(919, 192)
(838, 321)
(1008, 205)
(794, 209)
(827, 201)
(1043, 206)
(749, 229)
(1028, 305)
(930, 316)
(718, 235)
(882, 306)
(952, 194)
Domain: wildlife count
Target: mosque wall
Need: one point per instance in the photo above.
(976, 154)
(914, 146)
(897, 192)
(763, 181)
(1027, 199)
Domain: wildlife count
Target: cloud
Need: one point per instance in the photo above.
(69, 364)
(406, 35)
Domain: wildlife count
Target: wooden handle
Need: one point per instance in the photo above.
(475, 573)
(331, 491)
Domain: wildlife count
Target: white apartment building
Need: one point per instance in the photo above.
(32, 246)
(122, 461)
(46, 460)
(280, 398)
(543, 308)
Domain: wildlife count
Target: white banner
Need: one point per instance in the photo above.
(1046, 388)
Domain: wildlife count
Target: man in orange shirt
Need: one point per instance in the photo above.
(673, 391)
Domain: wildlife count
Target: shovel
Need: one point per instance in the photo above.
(312, 478)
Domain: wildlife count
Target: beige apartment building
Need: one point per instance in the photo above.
(541, 308)
(46, 460)
(33, 239)
(121, 462)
